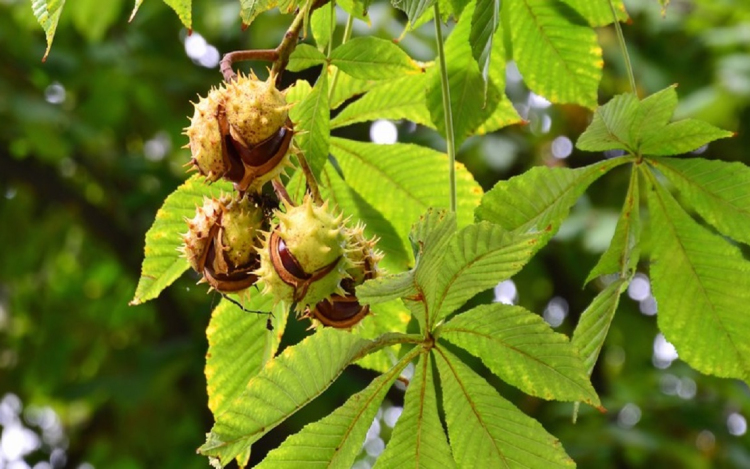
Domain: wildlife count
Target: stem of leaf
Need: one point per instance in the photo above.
(624, 49)
(333, 27)
(388, 339)
(449, 137)
(347, 34)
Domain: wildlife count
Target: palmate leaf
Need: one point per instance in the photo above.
(702, 285)
(414, 9)
(373, 58)
(654, 112)
(598, 12)
(337, 191)
(523, 350)
(504, 114)
(250, 9)
(680, 137)
(418, 440)
(135, 9)
(383, 318)
(320, 24)
(184, 10)
(593, 326)
(623, 252)
(484, 22)
(485, 430)
(719, 191)
(312, 124)
(47, 13)
(402, 98)
(348, 87)
(429, 238)
(305, 56)
(162, 262)
(556, 51)
(335, 440)
(539, 199)
(470, 105)
(239, 344)
(612, 124)
(477, 258)
(390, 287)
(402, 180)
(285, 385)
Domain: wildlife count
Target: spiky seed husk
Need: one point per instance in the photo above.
(221, 242)
(205, 136)
(315, 237)
(201, 229)
(255, 109)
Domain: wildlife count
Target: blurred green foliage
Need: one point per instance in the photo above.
(90, 147)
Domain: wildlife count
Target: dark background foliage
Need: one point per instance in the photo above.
(90, 146)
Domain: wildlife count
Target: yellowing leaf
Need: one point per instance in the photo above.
(47, 13)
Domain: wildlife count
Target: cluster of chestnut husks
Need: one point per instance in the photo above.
(304, 255)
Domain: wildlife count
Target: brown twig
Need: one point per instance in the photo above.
(269, 55)
(280, 55)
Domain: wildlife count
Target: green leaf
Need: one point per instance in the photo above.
(47, 13)
(593, 326)
(540, 199)
(477, 258)
(523, 350)
(429, 238)
(372, 58)
(402, 180)
(390, 287)
(470, 105)
(680, 137)
(250, 9)
(285, 385)
(336, 190)
(239, 344)
(402, 98)
(384, 318)
(305, 56)
(504, 114)
(556, 51)
(598, 12)
(702, 285)
(321, 22)
(418, 440)
(654, 112)
(612, 124)
(485, 430)
(335, 440)
(299, 91)
(162, 263)
(183, 8)
(135, 9)
(356, 8)
(348, 87)
(312, 125)
(414, 9)
(623, 252)
(484, 22)
(719, 191)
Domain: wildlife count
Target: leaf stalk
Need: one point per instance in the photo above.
(449, 136)
(624, 49)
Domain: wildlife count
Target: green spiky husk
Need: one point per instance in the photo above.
(255, 109)
(316, 238)
(205, 136)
